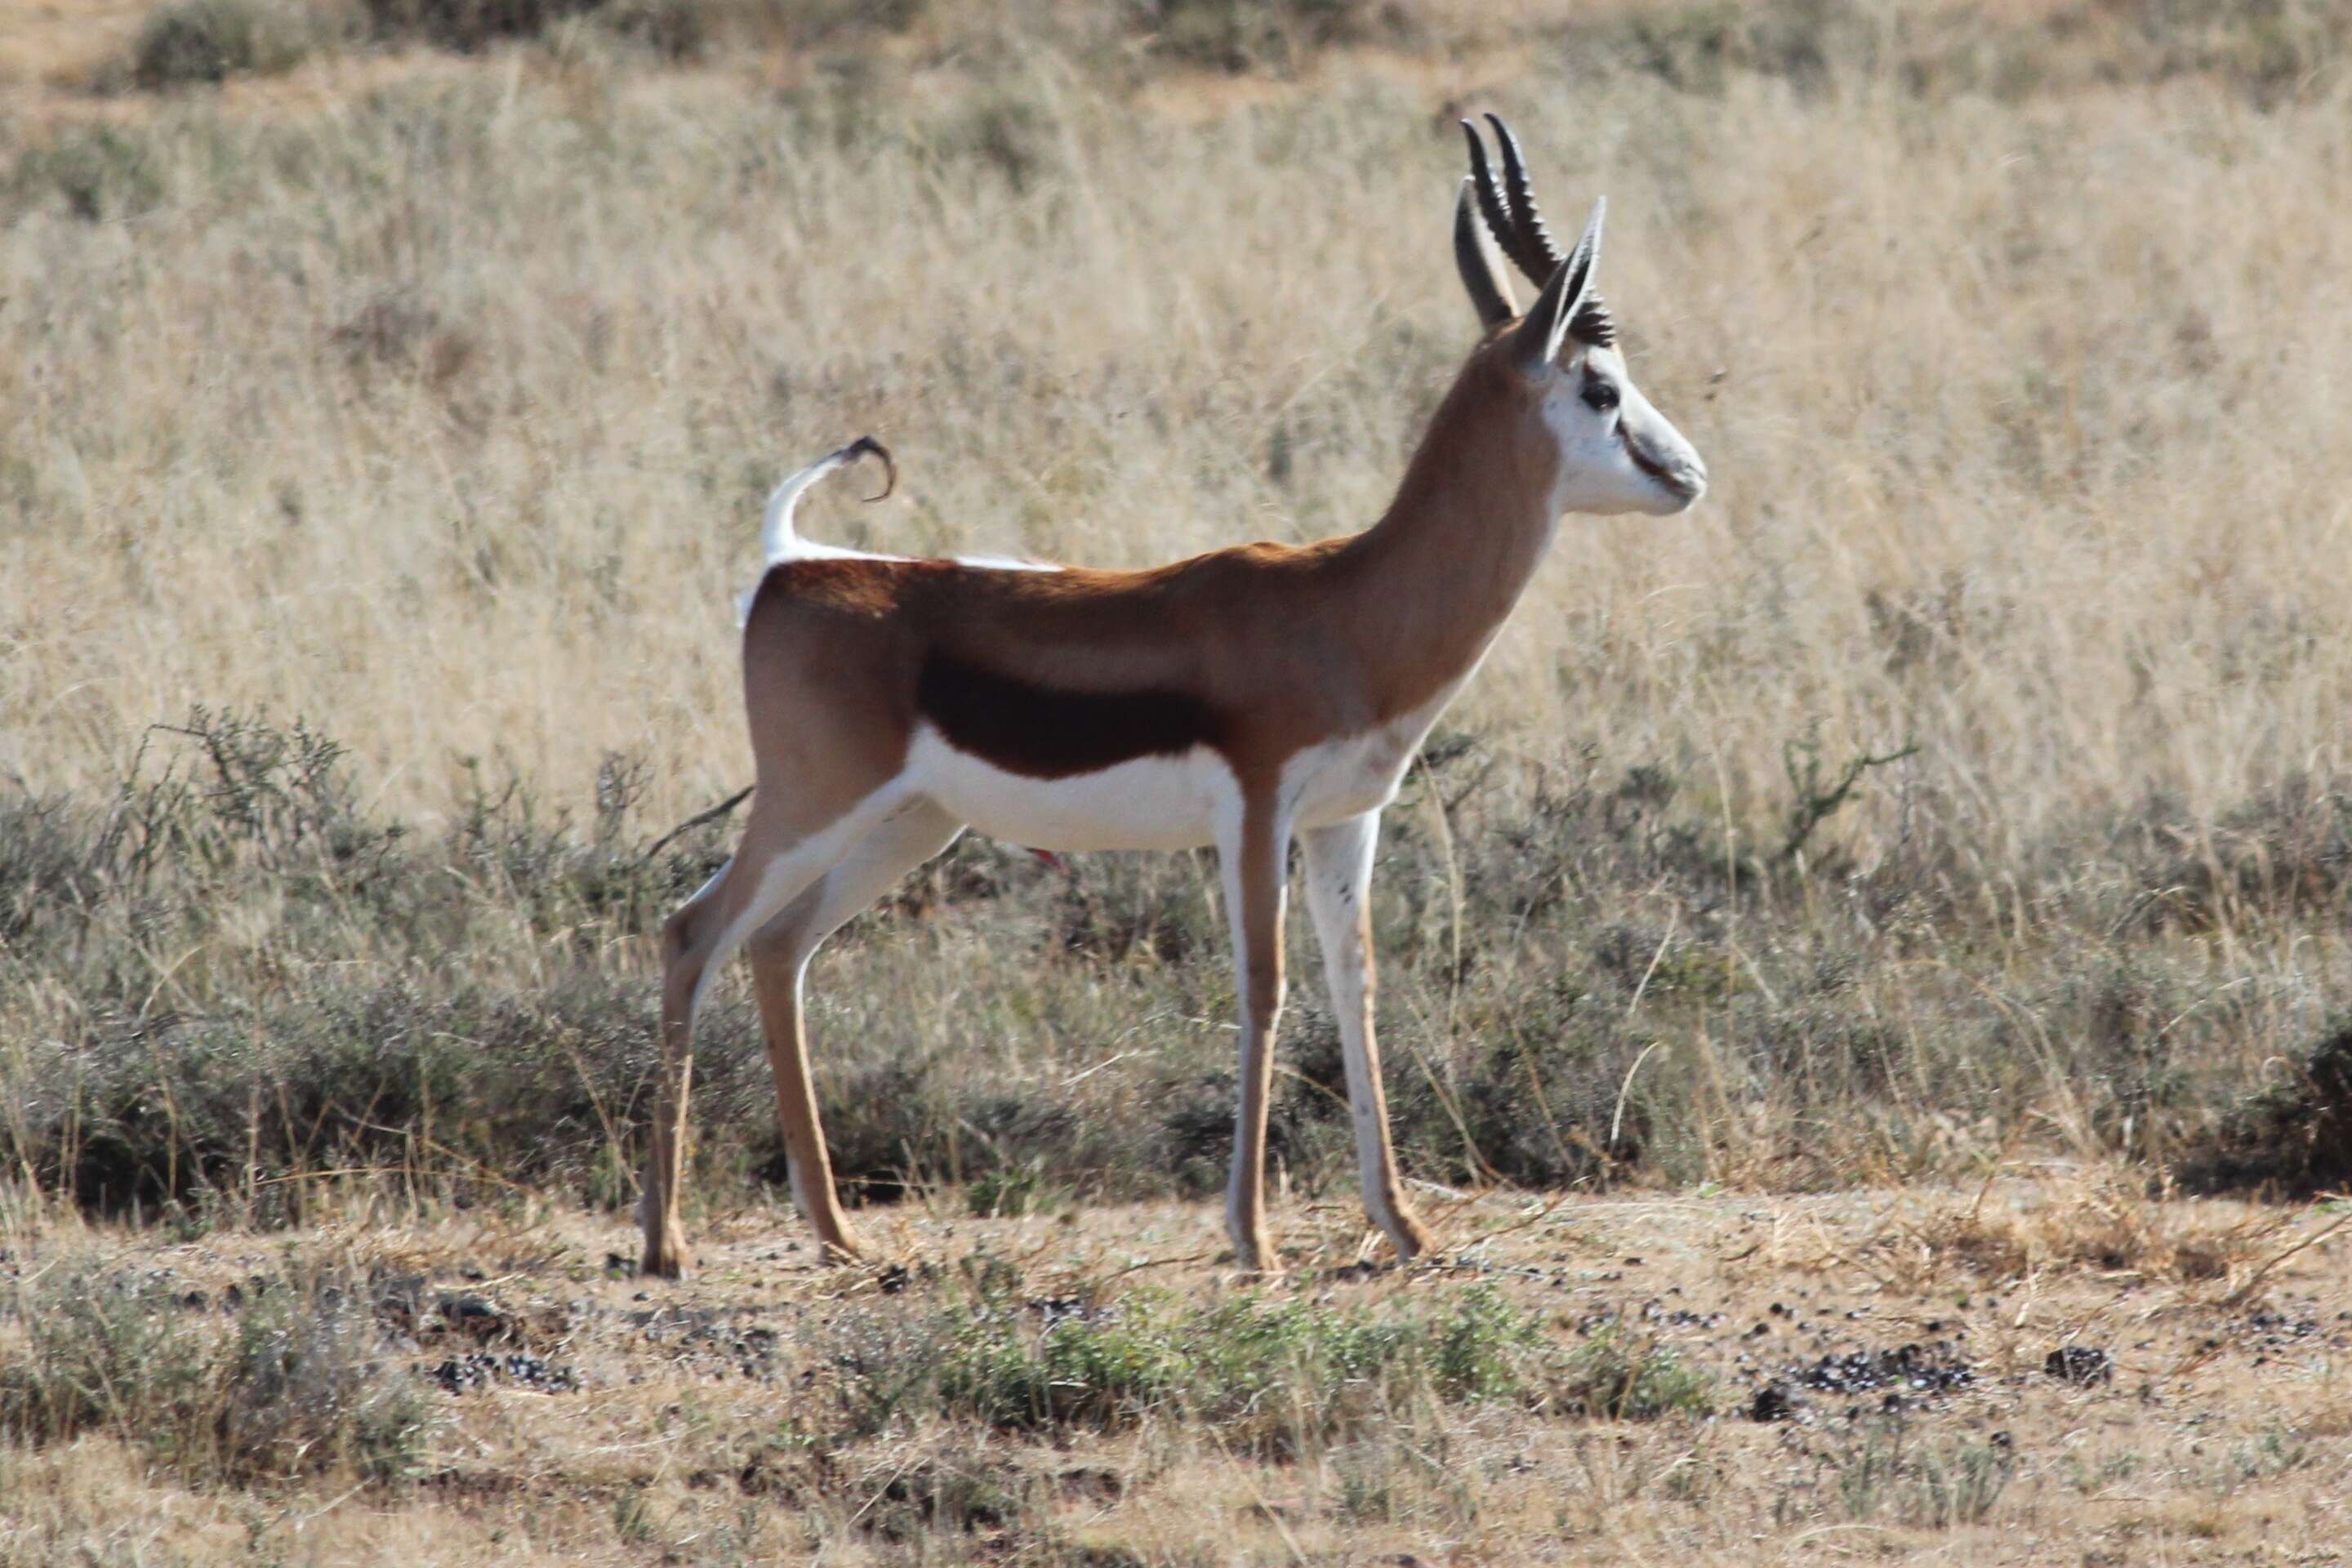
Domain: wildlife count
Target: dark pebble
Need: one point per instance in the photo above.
(2080, 1363)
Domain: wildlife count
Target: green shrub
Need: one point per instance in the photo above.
(2293, 1137)
(1251, 35)
(303, 1387)
(106, 1355)
(294, 1384)
(673, 29)
(101, 172)
(469, 25)
(1613, 1376)
(1925, 1486)
(211, 41)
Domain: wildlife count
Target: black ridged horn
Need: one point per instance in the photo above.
(1492, 202)
(1490, 295)
(1565, 301)
(1537, 257)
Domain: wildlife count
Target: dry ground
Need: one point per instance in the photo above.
(705, 1421)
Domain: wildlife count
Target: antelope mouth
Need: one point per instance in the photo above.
(1685, 483)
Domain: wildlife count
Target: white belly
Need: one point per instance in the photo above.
(1164, 803)
(1356, 774)
(1152, 802)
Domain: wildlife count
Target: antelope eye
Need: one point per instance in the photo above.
(1600, 396)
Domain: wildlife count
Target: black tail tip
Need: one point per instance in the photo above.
(867, 447)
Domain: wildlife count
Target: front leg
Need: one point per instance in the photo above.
(1253, 851)
(1338, 889)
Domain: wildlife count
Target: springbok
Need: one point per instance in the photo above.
(1242, 699)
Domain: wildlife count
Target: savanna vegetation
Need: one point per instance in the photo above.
(1940, 841)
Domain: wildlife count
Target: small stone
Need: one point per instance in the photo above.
(2080, 1363)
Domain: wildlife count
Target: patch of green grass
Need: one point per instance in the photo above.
(1941, 1484)
(1271, 1375)
(1614, 1376)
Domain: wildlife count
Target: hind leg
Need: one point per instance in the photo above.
(779, 955)
(782, 857)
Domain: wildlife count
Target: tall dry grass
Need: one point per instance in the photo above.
(433, 400)
(445, 416)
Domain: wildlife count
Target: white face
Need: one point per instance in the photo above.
(1617, 453)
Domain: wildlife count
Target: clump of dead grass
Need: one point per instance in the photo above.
(2108, 1221)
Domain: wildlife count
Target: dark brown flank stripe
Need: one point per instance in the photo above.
(1041, 732)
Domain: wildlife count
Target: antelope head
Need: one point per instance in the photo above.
(1616, 453)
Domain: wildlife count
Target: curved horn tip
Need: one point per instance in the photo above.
(1477, 147)
(1502, 131)
(1494, 206)
(1529, 243)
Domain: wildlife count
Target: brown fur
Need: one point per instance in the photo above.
(1265, 648)
(1258, 652)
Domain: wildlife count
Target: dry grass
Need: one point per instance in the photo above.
(2022, 410)
(428, 398)
(773, 1410)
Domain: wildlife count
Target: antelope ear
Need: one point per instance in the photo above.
(1537, 339)
(1481, 269)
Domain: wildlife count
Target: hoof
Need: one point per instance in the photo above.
(1257, 1257)
(847, 1248)
(667, 1262)
(1410, 1238)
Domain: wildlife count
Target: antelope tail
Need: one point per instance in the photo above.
(778, 540)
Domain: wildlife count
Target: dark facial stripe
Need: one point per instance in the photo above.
(1041, 732)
